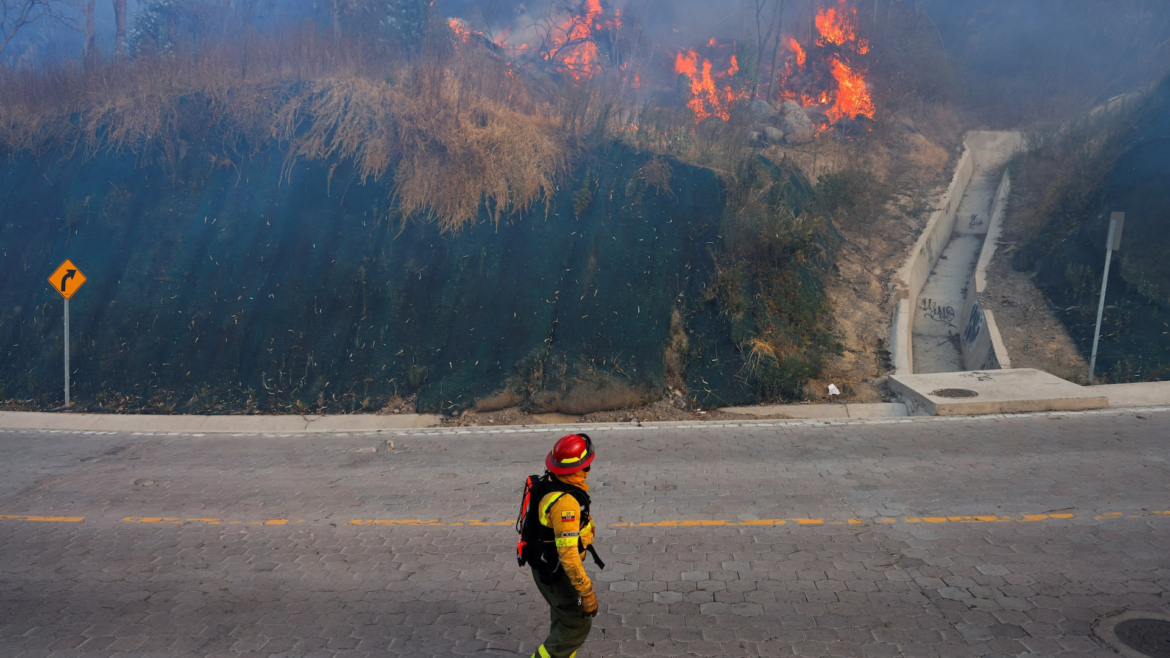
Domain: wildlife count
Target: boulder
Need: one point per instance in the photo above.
(762, 111)
(773, 134)
(797, 127)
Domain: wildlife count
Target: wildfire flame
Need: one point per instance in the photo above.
(708, 98)
(801, 56)
(829, 77)
(838, 27)
(573, 44)
(853, 97)
(462, 32)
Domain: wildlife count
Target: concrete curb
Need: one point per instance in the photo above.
(976, 392)
(1155, 395)
(986, 349)
(825, 411)
(214, 424)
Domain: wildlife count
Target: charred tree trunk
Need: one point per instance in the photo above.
(776, 52)
(120, 23)
(90, 35)
(337, 19)
(763, 39)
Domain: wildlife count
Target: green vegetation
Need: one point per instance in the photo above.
(771, 264)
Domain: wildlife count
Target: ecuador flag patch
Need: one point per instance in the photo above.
(568, 516)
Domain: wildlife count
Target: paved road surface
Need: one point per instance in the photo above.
(958, 537)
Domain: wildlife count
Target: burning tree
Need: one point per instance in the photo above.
(570, 35)
(829, 76)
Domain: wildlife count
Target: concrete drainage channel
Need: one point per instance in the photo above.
(1135, 634)
(947, 352)
(938, 323)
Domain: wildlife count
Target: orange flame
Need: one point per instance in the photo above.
(801, 56)
(573, 43)
(853, 98)
(834, 81)
(708, 99)
(460, 29)
(837, 28)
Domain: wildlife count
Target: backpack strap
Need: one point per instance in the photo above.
(544, 520)
(596, 557)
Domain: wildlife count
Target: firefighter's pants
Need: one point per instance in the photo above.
(569, 627)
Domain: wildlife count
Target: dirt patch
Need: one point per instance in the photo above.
(913, 171)
(1032, 333)
(672, 407)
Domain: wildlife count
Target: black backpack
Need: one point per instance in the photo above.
(537, 543)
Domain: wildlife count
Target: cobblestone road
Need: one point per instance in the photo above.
(963, 537)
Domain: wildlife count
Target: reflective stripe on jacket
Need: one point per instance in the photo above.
(561, 512)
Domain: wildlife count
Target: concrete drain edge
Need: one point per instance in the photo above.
(1105, 630)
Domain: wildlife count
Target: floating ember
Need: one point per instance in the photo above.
(462, 32)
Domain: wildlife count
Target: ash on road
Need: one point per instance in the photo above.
(957, 537)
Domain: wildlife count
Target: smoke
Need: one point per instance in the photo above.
(1043, 58)
(669, 23)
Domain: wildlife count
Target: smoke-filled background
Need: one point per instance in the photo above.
(1008, 61)
(568, 206)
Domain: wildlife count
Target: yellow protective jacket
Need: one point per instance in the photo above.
(561, 512)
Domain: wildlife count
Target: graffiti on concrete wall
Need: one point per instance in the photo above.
(934, 311)
(974, 326)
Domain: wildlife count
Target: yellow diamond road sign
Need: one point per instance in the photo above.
(67, 280)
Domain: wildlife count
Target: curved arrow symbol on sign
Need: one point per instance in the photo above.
(69, 274)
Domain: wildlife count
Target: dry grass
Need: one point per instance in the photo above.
(503, 400)
(588, 397)
(451, 132)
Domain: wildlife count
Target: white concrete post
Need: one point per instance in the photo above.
(1113, 242)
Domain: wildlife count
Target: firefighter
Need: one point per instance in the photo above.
(564, 509)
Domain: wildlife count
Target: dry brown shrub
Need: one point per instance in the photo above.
(502, 400)
(448, 153)
(451, 132)
(657, 174)
(589, 397)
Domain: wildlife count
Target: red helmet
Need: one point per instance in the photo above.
(571, 454)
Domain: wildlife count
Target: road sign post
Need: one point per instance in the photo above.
(67, 280)
(1113, 243)
(67, 402)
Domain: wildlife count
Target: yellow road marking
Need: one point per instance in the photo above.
(681, 523)
(179, 521)
(431, 522)
(43, 519)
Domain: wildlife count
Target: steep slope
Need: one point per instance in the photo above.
(230, 288)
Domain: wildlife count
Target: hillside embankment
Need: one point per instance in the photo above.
(1116, 159)
(262, 287)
